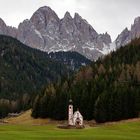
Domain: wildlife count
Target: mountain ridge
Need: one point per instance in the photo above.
(126, 36)
(47, 32)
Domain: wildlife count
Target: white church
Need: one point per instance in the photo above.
(74, 119)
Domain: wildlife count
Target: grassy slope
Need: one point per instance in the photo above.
(25, 127)
(25, 118)
(120, 131)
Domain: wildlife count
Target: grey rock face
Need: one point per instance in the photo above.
(126, 36)
(3, 27)
(135, 28)
(45, 31)
(7, 30)
(67, 34)
(12, 31)
(29, 35)
(123, 38)
(45, 18)
(106, 38)
(87, 33)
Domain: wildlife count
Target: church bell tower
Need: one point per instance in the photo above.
(70, 113)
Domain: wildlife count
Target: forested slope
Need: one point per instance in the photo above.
(107, 90)
(23, 72)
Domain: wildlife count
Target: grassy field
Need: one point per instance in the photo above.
(24, 127)
(117, 131)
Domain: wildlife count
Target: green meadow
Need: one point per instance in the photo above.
(117, 131)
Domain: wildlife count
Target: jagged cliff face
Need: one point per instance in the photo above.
(67, 34)
(7, 30)
(45, 31)
(29, 35)
(3, 27)
(123, 38)
(127, 35)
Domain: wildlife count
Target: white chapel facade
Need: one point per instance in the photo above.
(74, 119)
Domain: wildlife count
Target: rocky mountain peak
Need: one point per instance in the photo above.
(67, 15)
(7, 30)
(77, 16)
(106, 34)
(67, 26)
(85, 28)
(47, 12)
(137, 20)
(123, 38)
(2, 23)
(26, 21)
(46, 32)
(12, 31)
(3, 29)
(43, 17)
(125, 30)
(45, 8)
(127, 35)
(78, 19)
(106, 38)
(135, 28)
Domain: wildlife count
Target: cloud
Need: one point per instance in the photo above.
(104, 15)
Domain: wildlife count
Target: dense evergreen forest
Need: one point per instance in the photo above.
(72, 60)
(107, 90)
(24, 71)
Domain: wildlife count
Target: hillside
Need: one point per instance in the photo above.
(107, 90)
(73, 60)
(24, 71)
(26, 68)
(25, 118)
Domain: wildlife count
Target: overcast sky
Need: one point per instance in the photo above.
(110, 16)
